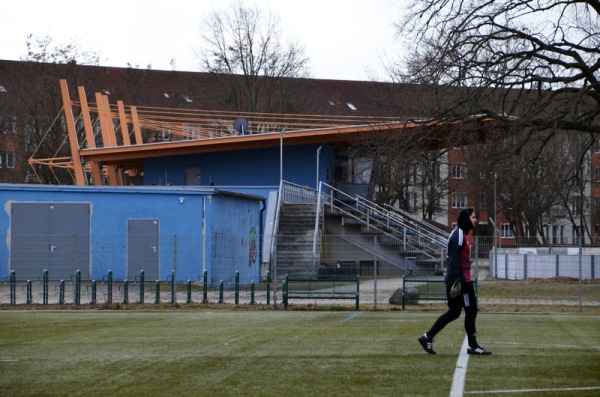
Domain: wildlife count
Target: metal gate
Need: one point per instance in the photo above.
(50, 236)
(143, 249)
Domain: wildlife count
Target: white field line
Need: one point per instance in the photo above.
(460, 373)
(520, 391)
(538, 345)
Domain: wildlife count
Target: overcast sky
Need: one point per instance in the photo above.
(344, 39)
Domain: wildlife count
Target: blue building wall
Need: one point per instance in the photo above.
(258, 167)
(191, 233)
(235, 243)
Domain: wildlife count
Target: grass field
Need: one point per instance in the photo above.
(295, 353)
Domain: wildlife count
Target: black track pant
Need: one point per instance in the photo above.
(467, 300)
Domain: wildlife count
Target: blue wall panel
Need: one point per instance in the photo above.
(235, 241)
(180, 213)
(258, 167)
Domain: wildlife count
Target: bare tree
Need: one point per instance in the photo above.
(37, 101)
(245, 42)
(407, 177)
(529, 64)
(44, 49)
(532, 191)
(533, 67)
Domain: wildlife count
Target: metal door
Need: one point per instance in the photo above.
(50, 236)
(143, 249)
(193, 176)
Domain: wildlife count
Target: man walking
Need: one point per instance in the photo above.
(460, 289)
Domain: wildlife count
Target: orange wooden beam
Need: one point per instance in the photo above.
(89, 135)
(120, 154)
(72, 132)
(137, 131)
(123, 123)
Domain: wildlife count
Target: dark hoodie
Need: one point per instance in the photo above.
(456, 243)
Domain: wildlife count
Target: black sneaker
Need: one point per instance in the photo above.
(426, 343)
(478, 351)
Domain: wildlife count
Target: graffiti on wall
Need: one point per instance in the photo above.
(252, 246)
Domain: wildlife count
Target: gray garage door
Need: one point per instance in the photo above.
(143, 249)
(50, 236)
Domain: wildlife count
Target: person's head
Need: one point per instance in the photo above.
(466, 219)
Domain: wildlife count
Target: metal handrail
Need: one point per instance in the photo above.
(429, 239)
(297, 194)
(317, 222)
(382, 220)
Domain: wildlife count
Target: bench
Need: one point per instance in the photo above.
(424, 288)
(312, 286)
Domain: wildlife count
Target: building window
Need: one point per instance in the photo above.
(413, 201)
(362, 170)
(577, 206)
(459, 171)
(162, 136)
(481, 201)
(438, 173)
(597, 174)
(578, 233)
(8, 125)
(556, 234)
(459, 200)
(191, 131)
(506, 231)
(7, 159)
(414, 173)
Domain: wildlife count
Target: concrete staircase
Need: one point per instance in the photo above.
(388, 245)
(393, 236)
(295, 239)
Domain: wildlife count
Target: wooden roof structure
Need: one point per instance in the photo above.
(118, 137)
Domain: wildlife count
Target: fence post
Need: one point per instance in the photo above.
(125, 292)
(77, 299)
(13, 288)
(142, 278)
(110, 287)
(268, 288)
(252, 301)
(157, 298)
(403, 290)
(205, 288)
(45, 293)
(61, 293)
(221, 292)
(525, 266)
(173, 287)
(94, 293)
(557, 266)
(237, 287)
(29, 293)
(189, 292)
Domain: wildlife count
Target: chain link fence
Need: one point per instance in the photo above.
(190, 271)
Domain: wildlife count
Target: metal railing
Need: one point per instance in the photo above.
(414, 234)
(548, 278)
